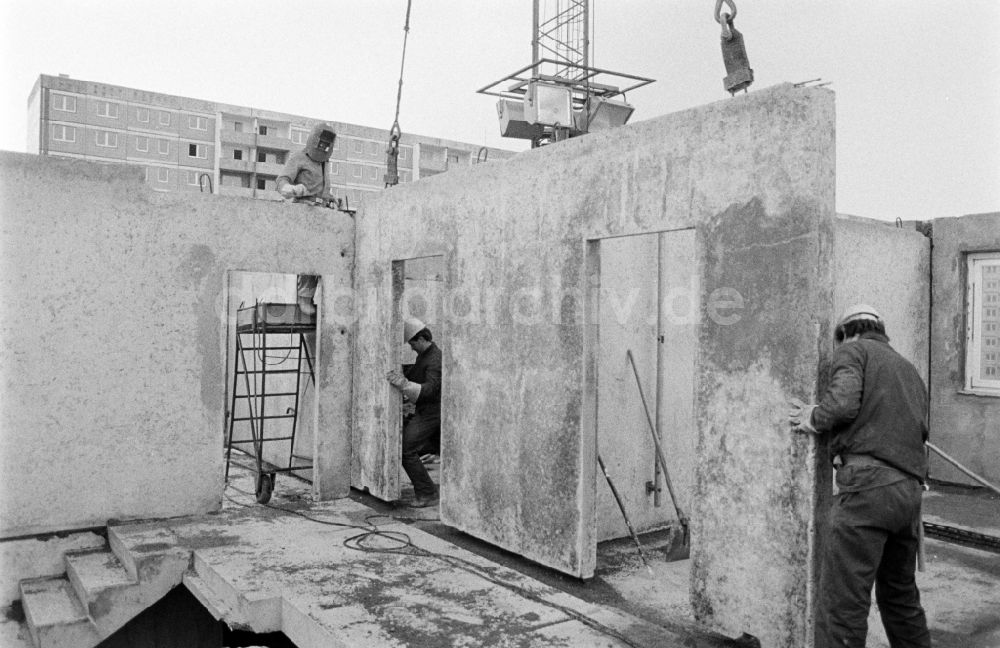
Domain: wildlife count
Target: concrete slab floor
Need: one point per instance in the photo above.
(960, 588)
(392, 599)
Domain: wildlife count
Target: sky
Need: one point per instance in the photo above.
(916, 81)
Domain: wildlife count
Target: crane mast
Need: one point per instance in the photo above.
(561, 94)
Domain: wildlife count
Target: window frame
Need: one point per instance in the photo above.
(66, 130)
(159, 146)
(101, 103)
(238, 154)
(198, 121)
(195, 175)
(359, 147)
(162, 171)
(144, 139)
(299, 136)
(976, 263)
(200, 151)
(139, 112)
(164, 113)
(107, 138)
(65, 100)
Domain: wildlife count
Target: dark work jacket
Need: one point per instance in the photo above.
(301, 169)
(426, 371)
(875, 404)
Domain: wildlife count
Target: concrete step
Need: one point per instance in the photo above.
(112, 597)
(55, 616)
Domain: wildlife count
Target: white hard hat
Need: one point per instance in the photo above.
(412, 326)
(859, 312)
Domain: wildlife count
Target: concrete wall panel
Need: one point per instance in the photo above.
(113, 340)
(886, 267)
(755, 175)
(963, 424)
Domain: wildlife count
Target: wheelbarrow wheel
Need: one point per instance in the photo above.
(265, 485)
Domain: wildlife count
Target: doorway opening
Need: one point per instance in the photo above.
(418, 296)
(272, 353)
(642, 339)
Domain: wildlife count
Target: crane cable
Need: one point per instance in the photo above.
(392, 151)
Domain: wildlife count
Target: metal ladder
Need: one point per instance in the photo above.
(254, 373)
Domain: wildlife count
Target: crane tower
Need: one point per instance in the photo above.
(560, 94)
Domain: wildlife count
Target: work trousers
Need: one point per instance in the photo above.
(416, 431)
(873, 539)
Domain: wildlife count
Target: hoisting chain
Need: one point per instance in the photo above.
(725, 19)
(392, 150)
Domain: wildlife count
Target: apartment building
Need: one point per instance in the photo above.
(187, 144)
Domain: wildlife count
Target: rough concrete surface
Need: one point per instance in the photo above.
(887, 267)
(964, 425)
(516, 360)
(113, 330)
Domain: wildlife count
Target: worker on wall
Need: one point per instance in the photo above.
(420, 384)
(875, 411)
(304, 179)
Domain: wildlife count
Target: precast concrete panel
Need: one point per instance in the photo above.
(629, 283)
(887, 267)
(965, 424)
(113, 333)
(755, 177)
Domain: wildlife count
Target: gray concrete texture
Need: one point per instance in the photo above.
(113, 334)
(963, 424)
(755, 178)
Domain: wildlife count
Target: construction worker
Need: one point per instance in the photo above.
(304, 179)
(875, 413)
(420, 384)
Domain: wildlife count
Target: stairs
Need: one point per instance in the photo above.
(103, 590)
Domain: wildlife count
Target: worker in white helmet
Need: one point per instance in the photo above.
(874, 412)
(420, 384)
(304, 179)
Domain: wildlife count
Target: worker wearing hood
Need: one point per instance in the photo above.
(304, 177)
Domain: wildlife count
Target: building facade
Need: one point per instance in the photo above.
(188, 144)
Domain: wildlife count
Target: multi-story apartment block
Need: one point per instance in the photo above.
(189, 144)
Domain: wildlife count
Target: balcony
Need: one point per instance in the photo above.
(229, 164)
(269, 168)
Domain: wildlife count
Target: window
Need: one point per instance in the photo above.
(404, 153)
(334, 168)
(193, 177)
(359, 146)
(299, 136)
(64, 103)
(373, 148)
(453, 159)
(142, 114)
(357, 170)
(106, 139)
(62, 133)
(197, 151)
(261, 183)
(164, 147)
(142, 144)
(982, 364)
(262, 129)
(197, 123)
(238, 127)
(164, 118)
(372, 173)
(261, 156)
(238, 154)
(163, 175)
(107, 109)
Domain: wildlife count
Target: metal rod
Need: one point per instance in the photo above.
(968, 472)
(659, 451)
(621, 507)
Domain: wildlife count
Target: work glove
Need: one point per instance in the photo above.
(395, 378)
(800, 416)
(293, 190)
